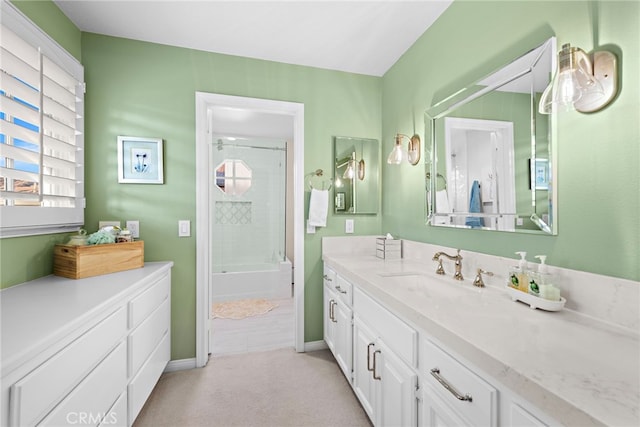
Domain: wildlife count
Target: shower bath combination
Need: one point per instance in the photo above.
(248, 205)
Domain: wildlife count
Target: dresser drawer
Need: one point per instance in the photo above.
(344, 290)
(35, 394)
(116, 416)
(144, 304)
(88, 403)
(482, 408)
(399, 336)
(142, 384)
(146, 337)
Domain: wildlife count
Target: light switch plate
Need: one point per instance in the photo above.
(310, 228)
(184, 228)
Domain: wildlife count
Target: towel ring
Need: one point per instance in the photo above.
(439, 175)
(318, 182)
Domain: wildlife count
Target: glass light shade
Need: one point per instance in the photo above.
(572, 81)
(350, 172)
(397, 155)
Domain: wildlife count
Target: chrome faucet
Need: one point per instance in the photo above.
(458, 263)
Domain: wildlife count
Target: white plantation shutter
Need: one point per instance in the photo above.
(41, 131)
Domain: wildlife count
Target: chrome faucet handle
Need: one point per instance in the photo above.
(440, 269)
(478, 280)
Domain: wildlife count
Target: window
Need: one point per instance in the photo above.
(41, 131)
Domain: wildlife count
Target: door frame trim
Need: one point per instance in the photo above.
(205, 100)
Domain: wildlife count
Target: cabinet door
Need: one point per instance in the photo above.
(343, 341)
(329, 318)
(363, 382)
(435, 413)
(397, 400)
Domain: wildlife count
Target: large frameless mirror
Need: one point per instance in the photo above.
(490, 164)
(356, 175)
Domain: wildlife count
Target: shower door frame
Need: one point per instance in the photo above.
(204, 101)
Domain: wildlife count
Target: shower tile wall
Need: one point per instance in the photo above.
(249, 229)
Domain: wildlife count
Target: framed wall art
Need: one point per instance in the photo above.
(140, 160)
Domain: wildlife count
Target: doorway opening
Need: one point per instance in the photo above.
(249, 218)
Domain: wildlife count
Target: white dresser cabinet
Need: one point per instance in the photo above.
(84, 352)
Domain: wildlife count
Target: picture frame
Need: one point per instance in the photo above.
(540, 173)
(140, 160)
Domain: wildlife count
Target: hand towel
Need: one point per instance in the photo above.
(474, 206)
(318, 207)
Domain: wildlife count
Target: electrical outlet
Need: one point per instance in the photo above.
(348, 226)
(134, 228)
(107, 223)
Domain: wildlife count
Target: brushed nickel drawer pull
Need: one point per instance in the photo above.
(375, 377)
(435, 372)
(333, 311)
(339, 289)
(327, 278)
(369, 368)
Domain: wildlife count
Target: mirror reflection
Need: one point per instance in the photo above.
(488, 145)
(356, 175)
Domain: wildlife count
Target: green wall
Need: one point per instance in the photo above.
(598, 153)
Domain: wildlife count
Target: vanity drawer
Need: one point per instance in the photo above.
(142, 384)
(399, 336)
(482, 409)
(344, 290)
(144, 304)
(91, 399)
(329, 277)
(147, 336)
(35, 394)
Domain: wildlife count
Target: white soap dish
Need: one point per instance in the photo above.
(536, 302)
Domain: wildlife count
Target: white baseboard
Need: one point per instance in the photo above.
(315, 345)
(180, 365)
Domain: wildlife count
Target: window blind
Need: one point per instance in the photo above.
(41, 131)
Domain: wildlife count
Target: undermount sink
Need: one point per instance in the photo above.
(398, 274)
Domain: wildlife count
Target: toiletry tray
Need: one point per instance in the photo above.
(534, 301)
(78, 262)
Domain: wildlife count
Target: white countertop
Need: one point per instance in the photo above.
(578, 370)
(38, 313)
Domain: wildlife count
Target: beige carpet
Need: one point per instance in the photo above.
(278, 388)
(242, 309)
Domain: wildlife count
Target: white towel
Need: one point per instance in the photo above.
(442, 202)
(318, 207)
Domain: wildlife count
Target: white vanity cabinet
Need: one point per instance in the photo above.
(338, 316)
(85, 351)
(385, 358)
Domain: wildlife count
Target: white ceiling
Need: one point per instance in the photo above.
(365, 37)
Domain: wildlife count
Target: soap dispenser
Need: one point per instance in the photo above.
(518, 277)
(538, 280)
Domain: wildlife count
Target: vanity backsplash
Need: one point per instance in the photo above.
(605, 298)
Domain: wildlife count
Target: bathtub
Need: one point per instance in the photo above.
(260, 281)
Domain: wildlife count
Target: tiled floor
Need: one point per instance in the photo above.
(258, 333)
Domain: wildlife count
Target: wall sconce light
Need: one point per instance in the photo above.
(398, 154)
(583, 82)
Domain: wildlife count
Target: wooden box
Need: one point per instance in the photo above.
(78, 262)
